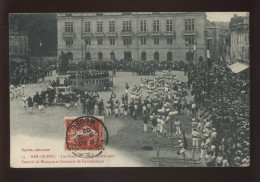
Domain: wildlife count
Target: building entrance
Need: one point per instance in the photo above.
(128, 56)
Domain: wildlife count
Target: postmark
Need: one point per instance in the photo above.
(86, 136)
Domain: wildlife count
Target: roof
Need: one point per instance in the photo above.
(238, 67)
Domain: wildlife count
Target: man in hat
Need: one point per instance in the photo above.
(225, 162)
(184, 152)
(108, 107)
(219, 159)
(24, 101)
(202, 151)
(96, 109)
(214, 134)
(195, 138)
(100, 107)
(154, 122)
(177, 124)
(126, 88)
(145, 119)
(40, 103)
(117, 105)
(30, 104)
(194, 123)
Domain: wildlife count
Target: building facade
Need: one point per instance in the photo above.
(132, 36)
(18, 43)
(240, 48)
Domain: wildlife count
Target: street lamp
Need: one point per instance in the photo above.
(84, 52)
(209, 63)
(41, 51)
(195, 51)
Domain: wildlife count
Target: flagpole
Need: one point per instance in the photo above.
(195, 51)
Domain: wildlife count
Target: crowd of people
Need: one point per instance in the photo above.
(139, 67)
(89, 74)
(26, 74)
(224, 100)
(218, 106)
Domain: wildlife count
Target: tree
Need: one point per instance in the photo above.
(40, 27)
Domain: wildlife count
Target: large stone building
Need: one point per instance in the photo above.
(132, 36)
(18, 43)
(240, 49)
(218, 32)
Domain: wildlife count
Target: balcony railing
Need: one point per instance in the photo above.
(111, 34)
(68, 34)
(143, 34)
(169, 33)
(189, 32)
(99, 34)
(126, 33)
(87, 34)
(157, 33)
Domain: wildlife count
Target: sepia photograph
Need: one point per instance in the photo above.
(129, 89)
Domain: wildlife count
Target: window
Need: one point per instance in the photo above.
(143, 25)
(88, 41)
(156, 25)
(143, 41)
(169, 25)
(15, 48)
(68, 27)
(100, 56)
(143, 56)
(189, 25)
(127, 26)
(156, 40)
(112, 41)
(112, 55)
(88, 56)
(189, 40)
(10, 48)
(87, 26)
(156, 56)
(69, 41)
(127, 40)
(99, 26)
(169, 56)
(111, 26)
(100, 42)
(169, 40)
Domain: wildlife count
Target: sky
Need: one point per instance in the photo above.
(223, 16)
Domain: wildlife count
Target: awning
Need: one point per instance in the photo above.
(17, 60)
(238, 67)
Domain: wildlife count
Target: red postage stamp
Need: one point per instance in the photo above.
(85, 133)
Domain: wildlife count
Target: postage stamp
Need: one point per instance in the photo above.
(85, 134)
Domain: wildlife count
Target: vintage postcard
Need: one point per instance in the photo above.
(129, 89)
